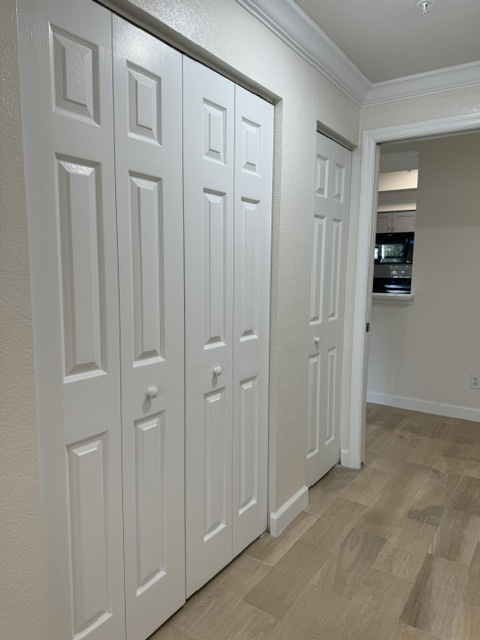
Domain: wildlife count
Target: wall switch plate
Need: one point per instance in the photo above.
(475, 381)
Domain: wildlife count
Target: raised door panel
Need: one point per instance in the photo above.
(249, 464)
(335, 269)
(68, 135)
(216, 467)
(147, 271)
(317, 277)
(331, 433)
(327, 280)
(314, 405)
(252, 239)
(89, 541)
(150, 487)
(75, 75)
(148, 138)
(83, 279)
(215, 251)
(208, 127)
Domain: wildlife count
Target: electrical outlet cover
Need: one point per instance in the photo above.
(475, 381)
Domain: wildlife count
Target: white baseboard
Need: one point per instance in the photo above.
(425, 406)
(280, 520)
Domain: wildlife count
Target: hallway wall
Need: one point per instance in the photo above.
(21, 584)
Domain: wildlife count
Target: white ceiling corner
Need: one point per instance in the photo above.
(304, 36)
(289, 22)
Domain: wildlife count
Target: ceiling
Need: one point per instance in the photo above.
(387, 39)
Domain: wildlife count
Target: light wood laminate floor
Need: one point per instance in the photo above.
(389, 552)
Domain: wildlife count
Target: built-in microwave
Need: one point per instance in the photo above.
(392, 271)
(394, 248)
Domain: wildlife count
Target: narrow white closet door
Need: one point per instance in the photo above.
(148, 137)
(253, 216)
(327, 293)
(68, 133)
(208, 181)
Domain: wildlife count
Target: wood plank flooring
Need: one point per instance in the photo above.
(388, 552)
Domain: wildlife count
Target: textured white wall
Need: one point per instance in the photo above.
(21, 581)
(427, 351)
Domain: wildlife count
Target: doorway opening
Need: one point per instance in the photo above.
(423, 349)
(368, 196)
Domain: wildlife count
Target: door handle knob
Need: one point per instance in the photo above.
(152, 392)
(217, 371)
(317, 340)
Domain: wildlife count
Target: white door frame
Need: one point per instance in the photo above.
(353, 455)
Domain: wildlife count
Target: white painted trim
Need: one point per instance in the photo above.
(393, 298)
(292, 25)
(423, 84)
(425, 406)
(280, 520)
(305, 37)
(366, 229)
(367, 213)
(346, 461)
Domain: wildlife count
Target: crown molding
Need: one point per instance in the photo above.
(298, 31)
(423, 84)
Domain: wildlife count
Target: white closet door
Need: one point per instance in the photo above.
(148, 138)
(253, 207)
(68, 132)
(208, 179)
(327, 293)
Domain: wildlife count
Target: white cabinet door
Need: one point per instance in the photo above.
(384, 222)
(68, 135)
(253, 205)
(327, 292)
(403, 221)
(148, 140)
(208, 181)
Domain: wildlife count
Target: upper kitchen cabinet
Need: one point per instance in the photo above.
(396, 221)
(397, 195)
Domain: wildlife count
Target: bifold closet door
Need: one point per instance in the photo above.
(228, 143)
(148, 140)
(327, 294)
(252, 241)
(104, 170)
(66, 75)
(208, 131)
